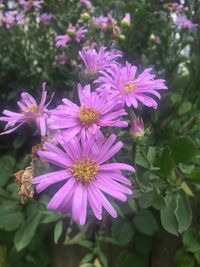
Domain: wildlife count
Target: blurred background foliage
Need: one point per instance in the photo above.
(160, 224)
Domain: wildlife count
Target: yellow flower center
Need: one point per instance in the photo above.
(85, 170)
(33, 108)
(88, 116)
(129, 88)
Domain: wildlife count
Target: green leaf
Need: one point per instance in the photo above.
(166, 162)
(187, 189)
(87, 258)
(58, 231)
(122, 231)
(85, 243)
(169, 221)
(50, 216)
(6, 166)
(197, 256)
(185, 108)
(183, 212)
(141, 160)
(183, 149)
(195, 175)
(151, 154)
(25, 233)
(143, 243)
(183, 259)
(145, 222)
(191, 240)
(11, 221)
(153, 199)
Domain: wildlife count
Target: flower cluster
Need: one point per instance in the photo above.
(72, 34)
(10, 18)
(30, 3)
(186, 23)
(79, 143)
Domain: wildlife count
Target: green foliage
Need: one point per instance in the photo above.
(165, 199)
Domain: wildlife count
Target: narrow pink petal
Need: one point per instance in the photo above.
(58, 198)
(77, 201)
(83, 214)
(109, 190)
(117, 166)
(106, 204)
(95, 204)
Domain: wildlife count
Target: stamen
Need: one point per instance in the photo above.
(129, 88)
(88, 116)
(85, 170)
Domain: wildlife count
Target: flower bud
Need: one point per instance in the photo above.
(126, 21)
(85, 16)
(137, 128)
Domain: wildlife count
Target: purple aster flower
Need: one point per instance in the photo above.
(96, 61)
(62, 40)
(30, 111)
(105, 23)
(72, 33)
(186, 23)
(9, 18)
(86, 176)
(85, 120)
(30, 3)
(46, 17)
(137, 128)
(131, 89)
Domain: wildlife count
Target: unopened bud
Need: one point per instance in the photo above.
(126, 21)
(85, 16)
(137, 128)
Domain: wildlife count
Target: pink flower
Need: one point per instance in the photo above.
(106, 23)
(131, 89)
(72, 33)
(9, 18)
(86, 177)
(137, 128)
(30, 3)
(30, 111)
(85, 120)
(186, 23)
(96, 61)
(126, 21)
(62, 40)
(46, 17)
